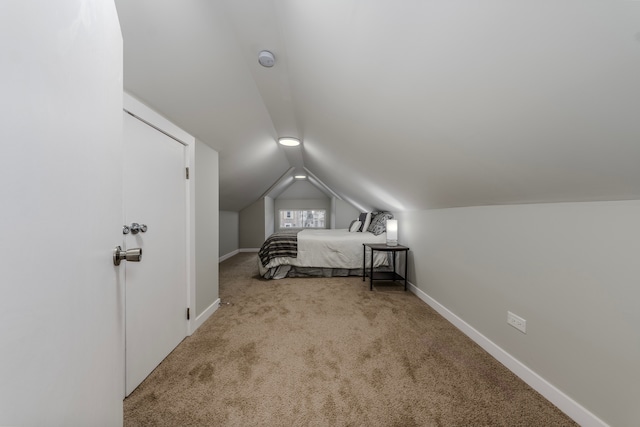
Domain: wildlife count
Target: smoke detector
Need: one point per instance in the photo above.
(266, 59)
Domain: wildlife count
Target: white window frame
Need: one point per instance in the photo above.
(290, 213)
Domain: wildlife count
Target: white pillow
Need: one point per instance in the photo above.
(367, 221)
(355, 226)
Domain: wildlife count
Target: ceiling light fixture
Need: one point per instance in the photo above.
(289, 142)
(266, 59)
(300, 176)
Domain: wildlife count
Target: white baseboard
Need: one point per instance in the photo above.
(198, 321)
(567, 405)
(229, 255)
(236, 252)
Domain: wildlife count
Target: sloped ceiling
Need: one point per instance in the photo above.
(401, 105)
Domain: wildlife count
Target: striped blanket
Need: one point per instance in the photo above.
(280, 244)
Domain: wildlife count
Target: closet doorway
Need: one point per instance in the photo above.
(155, 212)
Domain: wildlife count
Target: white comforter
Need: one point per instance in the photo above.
(332, 249)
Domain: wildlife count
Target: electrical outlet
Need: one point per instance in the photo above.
(517, 322)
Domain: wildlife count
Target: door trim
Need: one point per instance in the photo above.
(140, 111)
(154, 127)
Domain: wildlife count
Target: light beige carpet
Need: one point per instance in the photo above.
(329, 352)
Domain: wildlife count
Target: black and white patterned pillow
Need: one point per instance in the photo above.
(365, 220)
(379, 222)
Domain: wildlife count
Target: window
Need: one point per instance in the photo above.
(302, 218)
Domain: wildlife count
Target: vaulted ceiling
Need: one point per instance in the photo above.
(401, 105)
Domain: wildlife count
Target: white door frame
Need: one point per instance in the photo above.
(147, 115)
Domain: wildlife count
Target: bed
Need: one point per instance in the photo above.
(336, 252)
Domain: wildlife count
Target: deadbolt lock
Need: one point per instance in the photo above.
(134, 228)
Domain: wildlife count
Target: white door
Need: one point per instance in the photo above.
(156, 288)
(61, 330)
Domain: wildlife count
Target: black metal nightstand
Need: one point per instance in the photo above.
(384, 275)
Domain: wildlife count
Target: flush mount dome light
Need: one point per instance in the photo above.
(289, 142)
(300, 176)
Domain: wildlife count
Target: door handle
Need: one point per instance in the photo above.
(131, 255)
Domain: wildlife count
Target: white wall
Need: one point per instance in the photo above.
(252, 228)
(302, 195)
(332, 223)
(269, 216)
(570, 269)
(61, 158)
(207, 228)
(229, 232)
(302, 189)
(344, 213)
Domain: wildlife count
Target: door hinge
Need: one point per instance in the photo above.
(187, 169)
(188, 314)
